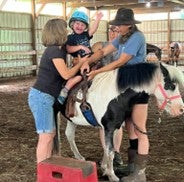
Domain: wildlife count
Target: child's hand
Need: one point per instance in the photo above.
(99, 15)
(86, 49)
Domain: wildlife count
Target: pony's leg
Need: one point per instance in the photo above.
(70, 134)
(107, 161)
(175, 63)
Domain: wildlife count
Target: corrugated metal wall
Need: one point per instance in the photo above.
(15, 36)
(101, 34)
(16, 49)
(40, 22)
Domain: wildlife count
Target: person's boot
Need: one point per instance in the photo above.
(120, 169)
(131, 159)
(139, 172)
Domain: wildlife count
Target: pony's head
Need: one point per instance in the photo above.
(167, 91)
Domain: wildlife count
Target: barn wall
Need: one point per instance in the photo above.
(157, 33)
(14, 39)
(101, 34)
(16, 46)
(40, 22)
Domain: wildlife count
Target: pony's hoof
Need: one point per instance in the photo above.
(113, 178)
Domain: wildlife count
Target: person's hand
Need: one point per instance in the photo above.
(86, 49)
(99, 15)
(85, 68)
(92, 74)
(83, 59)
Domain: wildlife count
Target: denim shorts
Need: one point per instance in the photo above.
(41, 105)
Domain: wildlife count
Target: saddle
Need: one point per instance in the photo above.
(85, 107)
(72, 96)
(83, 87)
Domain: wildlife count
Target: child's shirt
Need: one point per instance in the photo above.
(79, 39)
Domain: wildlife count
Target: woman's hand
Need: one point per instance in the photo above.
(85, 67)
(92, 74)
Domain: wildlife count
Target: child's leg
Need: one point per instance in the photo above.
(72, 81)
(69, 84)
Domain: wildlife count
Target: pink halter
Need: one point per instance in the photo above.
(167, 99)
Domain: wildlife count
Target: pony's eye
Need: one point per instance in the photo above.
(166, 86)
(172, 87)
(169, 86)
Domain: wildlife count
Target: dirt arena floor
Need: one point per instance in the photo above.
(18, 139)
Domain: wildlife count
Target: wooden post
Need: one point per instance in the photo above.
(169, 33)
(33, 31)
(64, 10)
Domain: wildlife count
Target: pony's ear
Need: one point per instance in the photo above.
(164, 71)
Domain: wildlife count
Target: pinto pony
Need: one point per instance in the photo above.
(113, 94)
(154, 49)
(174, 53)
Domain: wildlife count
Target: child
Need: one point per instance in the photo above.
(78, 44)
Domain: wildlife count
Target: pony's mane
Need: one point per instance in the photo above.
(136, 75)
(175, 74)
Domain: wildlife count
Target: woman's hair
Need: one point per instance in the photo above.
(54, 32)
(124, 38)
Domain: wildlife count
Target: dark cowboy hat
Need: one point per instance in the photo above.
(124, 17)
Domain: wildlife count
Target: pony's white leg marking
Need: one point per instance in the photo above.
(70, 134)
(104, 162)
(107, 165)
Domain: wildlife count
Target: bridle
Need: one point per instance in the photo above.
(169, 85)
(167, 99)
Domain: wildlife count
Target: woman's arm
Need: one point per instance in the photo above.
(97, 56)
(101, 53)
(111, 66)
(66, 72)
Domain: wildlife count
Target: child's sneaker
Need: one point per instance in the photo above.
(61, 99)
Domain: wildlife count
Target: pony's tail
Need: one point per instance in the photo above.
(56, 140)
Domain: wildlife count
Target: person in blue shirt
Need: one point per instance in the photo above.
(113, 33)
(131, 47)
